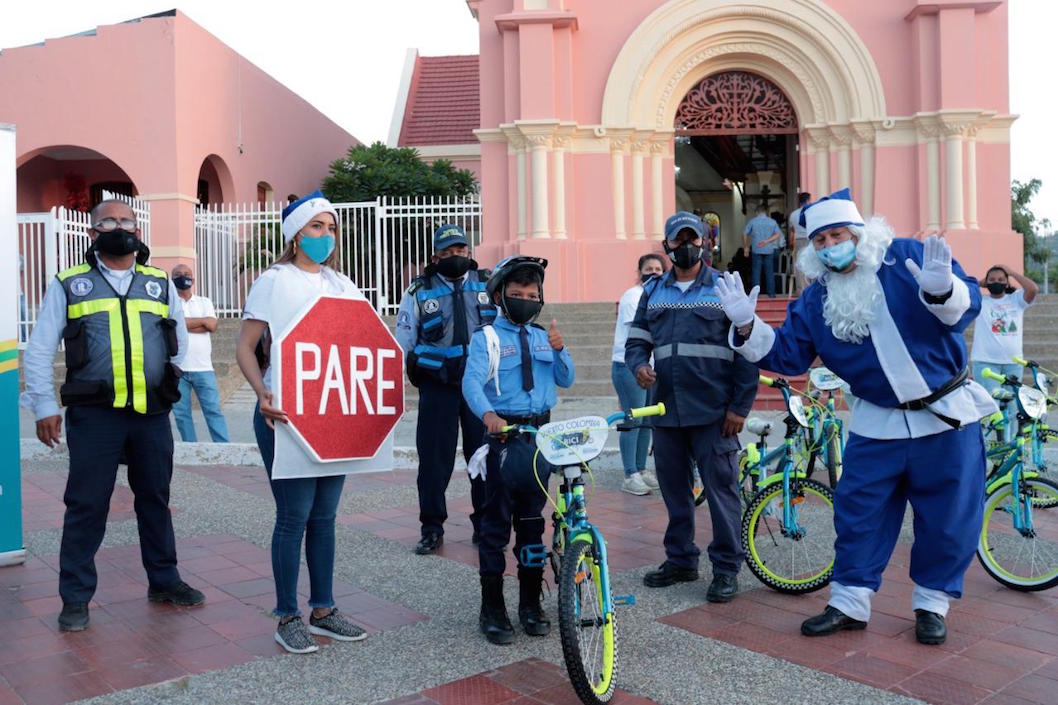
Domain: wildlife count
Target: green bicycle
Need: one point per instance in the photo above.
(788, 521)
(586, 618)
(1018, 543)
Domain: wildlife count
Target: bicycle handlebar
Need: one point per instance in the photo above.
(1021, 361)
(768, 381)
(655, 410)
(989, 374)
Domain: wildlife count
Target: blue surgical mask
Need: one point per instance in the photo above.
(838, 257)
(318, 249)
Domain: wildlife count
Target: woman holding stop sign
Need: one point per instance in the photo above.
(305, 506)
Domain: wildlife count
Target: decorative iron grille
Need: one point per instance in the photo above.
(735, 101)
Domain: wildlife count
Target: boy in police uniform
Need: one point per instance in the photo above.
(512, 371)
(436, 317)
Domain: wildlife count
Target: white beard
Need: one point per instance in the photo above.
(851, 300)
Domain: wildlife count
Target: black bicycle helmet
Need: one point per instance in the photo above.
(507, 266)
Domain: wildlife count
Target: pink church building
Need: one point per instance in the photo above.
(598, 119)
(159, 108)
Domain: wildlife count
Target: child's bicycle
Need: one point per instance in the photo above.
(586, 619)
(1018, 544)
(788, 522)
(826, 431)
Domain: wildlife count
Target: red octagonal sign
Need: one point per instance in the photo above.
(341, 377)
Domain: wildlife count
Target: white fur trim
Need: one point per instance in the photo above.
(853, 600)
(831, 212)
(953, 309)
(923, 598)
(301, 215)
(760, 341)
(897, 364)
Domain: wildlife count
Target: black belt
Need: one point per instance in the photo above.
(536, 421)
(950, 386)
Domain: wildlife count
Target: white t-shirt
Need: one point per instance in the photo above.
(794, 219)
(997, 330)
(199, 356)
(298, 288)
(626, 313)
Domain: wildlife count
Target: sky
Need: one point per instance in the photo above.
(346, 57)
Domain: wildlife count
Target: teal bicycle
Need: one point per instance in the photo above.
(788, 520)
(1018, 543)
(826, 431)
(586, 618)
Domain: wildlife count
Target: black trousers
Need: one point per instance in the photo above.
(442, 411)
(519, 507)
(97, 437)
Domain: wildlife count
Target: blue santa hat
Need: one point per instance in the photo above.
(298, 214)
(833, 211)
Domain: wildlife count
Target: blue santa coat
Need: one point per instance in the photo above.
(937, 350)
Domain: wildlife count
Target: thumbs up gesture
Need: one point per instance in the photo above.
(554, 337)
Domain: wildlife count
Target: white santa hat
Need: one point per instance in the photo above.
(298, 214)
(831, 211)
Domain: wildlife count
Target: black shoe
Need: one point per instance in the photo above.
(74, 617)
(722, 589)
(930, 627)
(428, 544)
(669, 574)
(180, 594)
(530, 613)
(830, 621)
(493, 620)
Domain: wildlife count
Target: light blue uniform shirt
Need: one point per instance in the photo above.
(760, 228)
(40, 352)
(550, 367)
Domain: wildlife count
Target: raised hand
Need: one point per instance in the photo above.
(554, 337)
(934, 276)
(739, 306)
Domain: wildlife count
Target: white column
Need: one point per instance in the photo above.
(657, 215)
(638, 192)
(519, 168)
(954, 201)
(617, 168)
(840, 143)
(821, 143)
(865, 188)
(558, 186)
(971, 179)
(933, 182)
(540, 195)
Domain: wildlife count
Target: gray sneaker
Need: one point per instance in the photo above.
(336, 626)
(294, 636)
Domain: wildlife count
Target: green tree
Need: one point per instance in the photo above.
(366, 172)
(1024, 221)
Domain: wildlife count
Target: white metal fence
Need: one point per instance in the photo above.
(383, 244)
(51, 242)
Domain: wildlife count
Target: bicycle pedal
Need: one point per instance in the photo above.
(623, 600)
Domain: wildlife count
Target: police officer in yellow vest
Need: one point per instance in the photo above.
(124, 334)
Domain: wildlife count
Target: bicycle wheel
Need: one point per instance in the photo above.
(589, 640)
(834, 459)
(1026, 561)
(784, 560)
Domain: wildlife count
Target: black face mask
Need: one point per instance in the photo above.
(644, 278)
(521, 311)
(997, 288)
(183, 283)
(686, 255)
(117, 242)
(454, 267)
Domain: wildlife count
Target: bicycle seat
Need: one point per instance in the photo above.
(1002, 395)
(758, 427)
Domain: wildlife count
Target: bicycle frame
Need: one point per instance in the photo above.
(787, 466)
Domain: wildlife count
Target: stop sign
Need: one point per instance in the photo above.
(341, 379)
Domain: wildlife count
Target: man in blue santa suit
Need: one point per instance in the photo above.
(887, 315)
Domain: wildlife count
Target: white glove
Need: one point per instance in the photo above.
(934, 277)
(738, 306)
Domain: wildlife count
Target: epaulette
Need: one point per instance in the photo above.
(484, 274)
(537, 325)
(416, 284)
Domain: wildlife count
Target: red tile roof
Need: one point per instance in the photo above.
(443, 102)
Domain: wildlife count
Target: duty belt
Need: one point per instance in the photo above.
(536, 421)
(950, 386)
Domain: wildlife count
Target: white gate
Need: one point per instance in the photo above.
(382, 245)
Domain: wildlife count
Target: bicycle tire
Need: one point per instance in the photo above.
(768, 562)
(1000, 543)
(578, 587)
(834, 461)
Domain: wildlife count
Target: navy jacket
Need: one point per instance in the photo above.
(699, 377)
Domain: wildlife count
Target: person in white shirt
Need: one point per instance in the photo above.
(201, 321)
(998, 329)
(636, 442)
(797, 237)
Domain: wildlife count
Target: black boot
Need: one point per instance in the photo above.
(530, 613)
(493, 620)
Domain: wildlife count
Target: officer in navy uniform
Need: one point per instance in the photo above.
(439, 311)
(707, 391)
(124, 333)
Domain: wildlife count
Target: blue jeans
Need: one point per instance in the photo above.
(634, 444)
(205, 386)
(305, 506)
(990, 384)
(768, 263)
